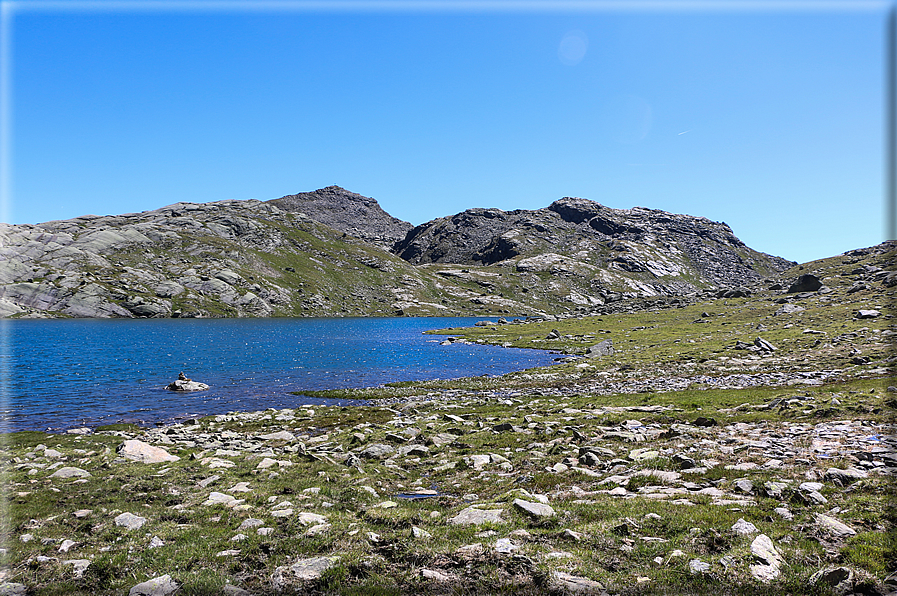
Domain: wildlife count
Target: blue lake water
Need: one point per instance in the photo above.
(61, 374)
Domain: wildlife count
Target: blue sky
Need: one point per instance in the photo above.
(769, 119)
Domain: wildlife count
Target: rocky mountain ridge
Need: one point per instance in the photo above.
(335, 253)
(347, 212)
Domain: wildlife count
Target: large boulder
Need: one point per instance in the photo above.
(805, 283)
(144, 452)
(604, 348)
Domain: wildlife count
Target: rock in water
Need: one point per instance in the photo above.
(186, 385)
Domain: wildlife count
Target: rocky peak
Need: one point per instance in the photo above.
(347, 212)
(661, 249)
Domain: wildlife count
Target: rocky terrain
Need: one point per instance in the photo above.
(335, 253)
(738, 443)
(347, 212)
(671, 252)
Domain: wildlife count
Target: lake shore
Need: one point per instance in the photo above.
(727, 446)
(542, 493)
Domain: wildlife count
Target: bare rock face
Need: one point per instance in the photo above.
(656, 245)
(347, 212)
(333, 252)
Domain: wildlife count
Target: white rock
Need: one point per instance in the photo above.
(279, 436)
(310, 519)
(158, 586)
(744, 527)
(769, 558)
(79, 566)
(144, 452)
(129, 521)
(301, 571)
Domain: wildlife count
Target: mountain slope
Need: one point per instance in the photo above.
(327, 253)
(660, 249)
(347, 212)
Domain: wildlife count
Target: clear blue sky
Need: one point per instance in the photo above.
(771, 120)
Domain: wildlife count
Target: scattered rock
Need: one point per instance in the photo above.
(129, 521)
(475, 516)
(834, 527)
(144, 452)
(69, 472)
(769, 559)
(534, 510)
(604, 348)
(573, 584)
(158, 586)
(743, 527)
(303, 570)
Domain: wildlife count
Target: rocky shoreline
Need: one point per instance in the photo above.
(545, 493)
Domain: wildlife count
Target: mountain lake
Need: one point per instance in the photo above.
(62, 374)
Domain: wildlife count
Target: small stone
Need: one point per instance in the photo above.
(222, 499)
(505, 546)
(769, 559)
(435, 576)
(697, 566)
(784, 513)
(129, 521)
(158, 586)
(279, 436)
(834, 526)
(743, 527)
(420, 533)
(310, 519)
(575, 584)
(476, 517)
(139, 451)
(844, 477)
(228, 553)
(79, 566)
(833, 576)
(377, 451)
(744, 486)
(250, 523)
(66, 545)
(301, 571)
(70, 472)
(534, 510)
(318, 529)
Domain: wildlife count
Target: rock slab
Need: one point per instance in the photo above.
(139, 451)
(158, 586)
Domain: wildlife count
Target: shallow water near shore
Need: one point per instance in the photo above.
(76, 372)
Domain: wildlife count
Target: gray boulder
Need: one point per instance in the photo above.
(144, 452)
(769, 560)
(475, 517)
(158, 586)
(604, 348)
(303, 570)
